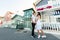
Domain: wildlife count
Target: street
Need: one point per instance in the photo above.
(13, 34)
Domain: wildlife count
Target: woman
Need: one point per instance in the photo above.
(39, 26)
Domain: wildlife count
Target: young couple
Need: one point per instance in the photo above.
(37, 24)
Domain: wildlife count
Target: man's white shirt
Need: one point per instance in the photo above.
(33, 19)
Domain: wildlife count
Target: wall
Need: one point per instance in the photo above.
(43, 2)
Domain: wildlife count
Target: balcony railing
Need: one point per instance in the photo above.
(51, 26)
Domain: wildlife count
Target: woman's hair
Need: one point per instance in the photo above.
(39, 14)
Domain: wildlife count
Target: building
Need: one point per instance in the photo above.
(27, 17)
(8, 16)
(18, 20)
(50, 12)
(1, 20)
(28, 13)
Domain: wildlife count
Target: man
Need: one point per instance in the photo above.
(33, 22)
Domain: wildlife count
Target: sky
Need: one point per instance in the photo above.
(15, 6)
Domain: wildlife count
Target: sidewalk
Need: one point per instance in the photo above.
(52, 32)
(47, 31)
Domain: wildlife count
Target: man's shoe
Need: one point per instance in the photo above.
(33, 36)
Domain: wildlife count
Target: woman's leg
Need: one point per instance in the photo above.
(38, 33)
(42, 32)
(43, 35)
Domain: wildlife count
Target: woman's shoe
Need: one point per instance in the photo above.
(44, 36)
(38, 36)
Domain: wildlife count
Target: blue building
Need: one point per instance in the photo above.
(28, 13)
(27, 17)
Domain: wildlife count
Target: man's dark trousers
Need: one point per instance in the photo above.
(33, 27)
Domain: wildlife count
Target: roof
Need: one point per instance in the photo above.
(36, 3)
(16, 16)
(28, 9)
(43, 2)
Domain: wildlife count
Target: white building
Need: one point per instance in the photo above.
(50, 12)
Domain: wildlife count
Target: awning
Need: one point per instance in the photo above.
(47, 8)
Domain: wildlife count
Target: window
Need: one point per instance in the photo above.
(58, 19)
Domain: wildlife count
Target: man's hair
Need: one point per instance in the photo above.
(33, 11)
